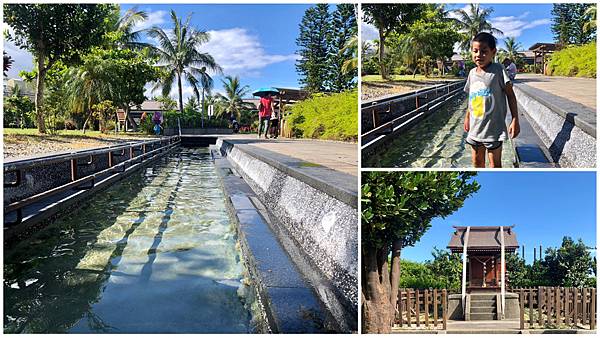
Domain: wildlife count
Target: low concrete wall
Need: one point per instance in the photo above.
(570, 140)
(198, 131)
(324, 227)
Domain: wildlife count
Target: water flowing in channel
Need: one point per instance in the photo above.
(437, 141)
(154, 253)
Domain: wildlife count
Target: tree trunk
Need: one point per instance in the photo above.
(382, 68)
(395, 273)
(129, 118)
(39, 93)
(377, 312)
(202, 107)
(180, 93)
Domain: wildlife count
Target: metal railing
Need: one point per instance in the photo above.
(135, 152)
(395, 114)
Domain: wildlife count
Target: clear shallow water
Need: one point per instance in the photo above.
(154, 253)
(438, 141)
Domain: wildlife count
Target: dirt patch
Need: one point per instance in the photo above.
(372, 90)
(28, 145)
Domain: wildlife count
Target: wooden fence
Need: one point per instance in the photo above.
(425, 308)
(557, 306)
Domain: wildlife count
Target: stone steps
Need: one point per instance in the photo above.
(483, 307)
(483, 316)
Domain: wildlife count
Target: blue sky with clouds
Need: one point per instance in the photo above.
(255, 42)
(543, 206)
(528, 23)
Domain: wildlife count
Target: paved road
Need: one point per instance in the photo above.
(340, 156)
(576, 89)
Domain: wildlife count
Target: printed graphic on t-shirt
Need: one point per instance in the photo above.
(477, 96)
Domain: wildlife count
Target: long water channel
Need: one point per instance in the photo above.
(153, 253)
(437, 141)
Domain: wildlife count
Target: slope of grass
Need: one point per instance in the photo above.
(574, 61)
(329, 117)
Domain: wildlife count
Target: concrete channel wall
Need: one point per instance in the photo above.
(569, 137)
(319, 218)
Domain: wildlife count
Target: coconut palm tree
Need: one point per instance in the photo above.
(203, 83)
(86, 86)
(474, 21)
(512, 49)
(178, 55)
(350, 65)
(590, 12)
(125, 25)
(232, 101)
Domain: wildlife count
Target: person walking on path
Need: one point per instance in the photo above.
(489, 87)
(511, 68)
(265, 109)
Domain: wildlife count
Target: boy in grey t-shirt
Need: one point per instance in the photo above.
(489, 87)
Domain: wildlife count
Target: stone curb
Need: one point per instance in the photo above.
(338, 185)
(288, 302)
(536, 94)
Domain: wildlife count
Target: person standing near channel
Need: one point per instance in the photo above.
(511, 68)
(265, 109)
(489, 87)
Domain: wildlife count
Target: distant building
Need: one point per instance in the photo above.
(149, 107)
(26, 88)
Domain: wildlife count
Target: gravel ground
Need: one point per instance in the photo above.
(16, 146)
(371, 90)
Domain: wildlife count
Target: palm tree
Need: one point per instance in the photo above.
(512, 49)
(178, 54)
(86, 86)
(350, 65)
(590, 12)
(232, 101)
(203, 80)
(473, 22)
(129, 38)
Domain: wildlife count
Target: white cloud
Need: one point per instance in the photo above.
(368, 32)
(513, 26)
(240, 53)
(156, 18)
(22, 59)
(454, 15)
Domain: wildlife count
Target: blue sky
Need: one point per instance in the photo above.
(255, 42)
(543, 206)
(528, 23)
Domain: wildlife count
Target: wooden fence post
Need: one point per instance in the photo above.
(567, 292)
(549, 305)
(584, 307)
(530, 308)
(417, 308)
(426, 301)
(540, 305)
(444, 308)
(557, 301)
(408, 307)
(435, 308)
(521, 310)
(575, 306)
(593, 309)
(400, 308)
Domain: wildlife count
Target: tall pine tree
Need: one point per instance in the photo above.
(568, 23)
(312, 41)
(343, 28)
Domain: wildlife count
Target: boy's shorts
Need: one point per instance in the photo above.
(488, 145)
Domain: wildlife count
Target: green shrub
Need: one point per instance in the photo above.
(331, 117)
(370, 66)
(574, 61)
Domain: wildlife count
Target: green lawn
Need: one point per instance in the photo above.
(418, 77)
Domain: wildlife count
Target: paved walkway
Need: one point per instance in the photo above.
(482, 326)
(576, 89)
(340, 156)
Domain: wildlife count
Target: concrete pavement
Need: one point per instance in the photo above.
(339, 156)
(576, 89)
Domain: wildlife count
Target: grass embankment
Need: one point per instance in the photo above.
(328, 117)
(577, 61)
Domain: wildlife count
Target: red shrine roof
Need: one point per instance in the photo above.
(483, 238)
